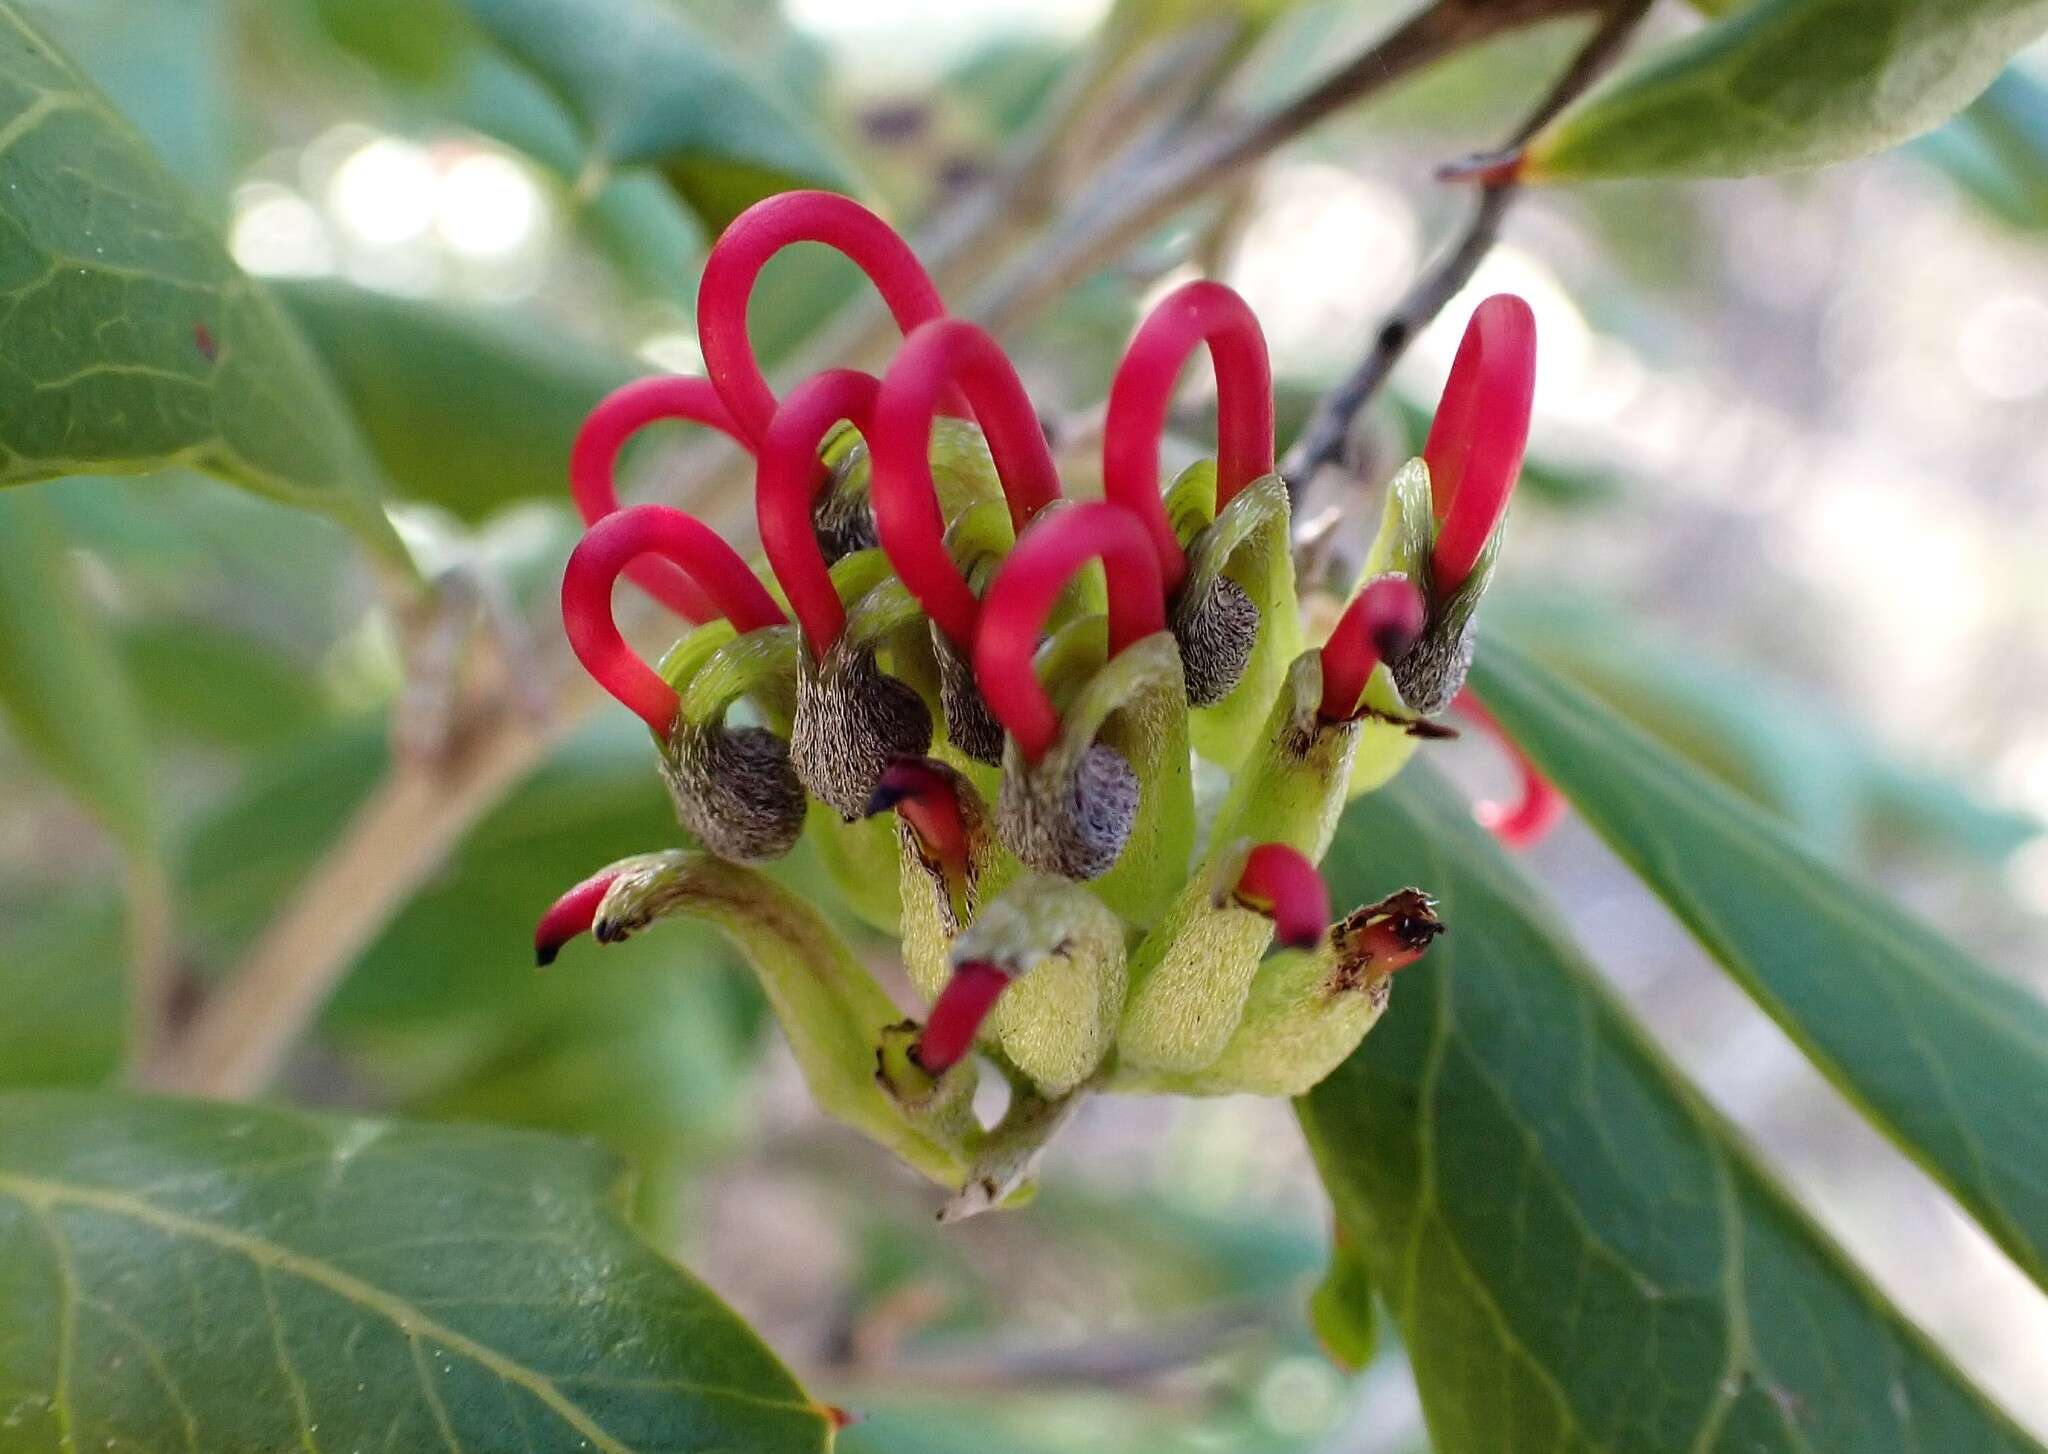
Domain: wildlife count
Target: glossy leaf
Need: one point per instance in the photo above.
(179, 1275)
(466, 408)
(62, 687)
(1785, 84)
(1579, 1253)
(649, 89)
(1948, 1059)
(132, 340)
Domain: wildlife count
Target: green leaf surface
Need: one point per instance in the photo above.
(650, 89)
(62, 687)
(466, 408)
(62, 983)
(218, 685)
(1997, 150)
(1342, 1308)
(172, 77)
(131, 340)
(1785, 84)
(1579, 1253)
(1947, 1058)
(415, 40)
(1767, 738)
(184, 1276)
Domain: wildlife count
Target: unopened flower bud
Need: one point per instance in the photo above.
(1044, 965)
(1308, 1010)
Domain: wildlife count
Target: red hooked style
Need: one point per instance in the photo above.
(756, 235)
(1279, 882)
(614, 543)
(1022, 596)
(927, 800)
(594, 458)
(906, 500)
(957, 1015)
(1201, 312)
(788, 483)
(1475, 442)
(1380, 624)
(1524, 823)
(570, 915)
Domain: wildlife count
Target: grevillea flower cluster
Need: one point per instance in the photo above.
(1075, 755)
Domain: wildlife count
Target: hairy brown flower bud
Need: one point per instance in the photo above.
(1431, 671)
(1216, 630)
(970, 725)
(853, 720)
(1073, 825)
(735, 789)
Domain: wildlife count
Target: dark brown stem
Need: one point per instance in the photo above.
(1322, 439)
(1150, 182)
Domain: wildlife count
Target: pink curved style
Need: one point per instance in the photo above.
(593, 464)
(1021, 597)
(1201, 312)
(596, 563)
(743, 249)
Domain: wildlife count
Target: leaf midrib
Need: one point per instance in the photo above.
(41, 1196)
(1833, 900)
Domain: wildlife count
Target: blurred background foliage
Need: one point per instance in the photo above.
(1785, 510)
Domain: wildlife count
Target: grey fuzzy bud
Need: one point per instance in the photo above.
(1216, 630)
(735, 790)
(1430, 673)
(1075, 827)
(852, 721)
(972, 727)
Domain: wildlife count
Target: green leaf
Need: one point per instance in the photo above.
(171, 76)
(650, 90)
(1998, 150)
(220, 685)
(1947, 1058)
(1785, 84)
(62, 686)
(132, 341)
(1341, 1308)
(467, 408)
(66, 996)
(634, 219)
(416, 40)
(179, 1275)
(1768, 739)
(1579, 1253)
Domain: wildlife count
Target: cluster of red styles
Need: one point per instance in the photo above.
(989, 606)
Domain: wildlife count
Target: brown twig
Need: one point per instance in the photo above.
(1321, 442)
(1131, 1359)
(152, 960)
(1150, 183)
(406, 828)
